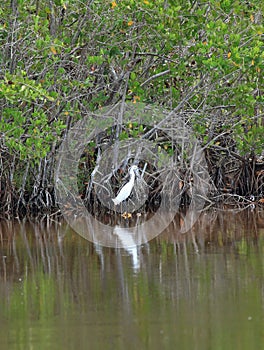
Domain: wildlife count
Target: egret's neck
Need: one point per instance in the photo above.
(132, 176)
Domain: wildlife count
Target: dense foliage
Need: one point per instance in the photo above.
(62, 59)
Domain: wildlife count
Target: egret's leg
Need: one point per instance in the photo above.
(126, 217)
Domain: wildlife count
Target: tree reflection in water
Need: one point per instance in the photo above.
(55, 281)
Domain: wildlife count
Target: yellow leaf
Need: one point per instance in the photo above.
(126, 215)
(252, 18)
(136, 98)
(129, 23)
(113, 4)
(252, 62)
(235, 64)
(53, 50)
(146, 2)
(229, 55)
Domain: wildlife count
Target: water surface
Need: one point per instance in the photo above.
(201, 290)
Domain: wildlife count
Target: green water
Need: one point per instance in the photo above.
(203, 290)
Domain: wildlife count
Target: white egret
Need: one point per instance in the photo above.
(125, 191)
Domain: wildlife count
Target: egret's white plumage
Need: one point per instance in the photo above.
(126, 190)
